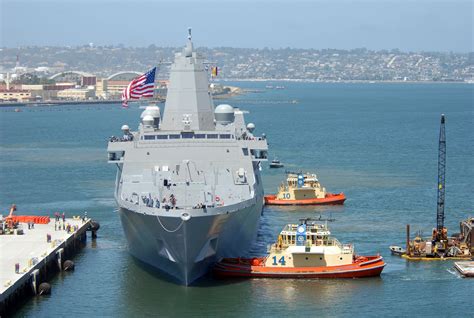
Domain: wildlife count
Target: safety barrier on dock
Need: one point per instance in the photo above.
(33, 257)
(453, 258)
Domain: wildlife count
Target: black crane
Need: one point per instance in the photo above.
(441, 178)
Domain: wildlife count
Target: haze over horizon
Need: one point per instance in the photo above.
(407, 25)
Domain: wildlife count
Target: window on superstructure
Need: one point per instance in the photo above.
(245, 151)
(175, 136)
(212, 136)
(162, 137)
(224, 136)
(187, 135)
(200, 136)
(149, 137)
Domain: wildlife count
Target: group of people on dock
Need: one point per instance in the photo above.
(58, 225)
(58, 216)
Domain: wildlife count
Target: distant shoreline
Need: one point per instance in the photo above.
(289, 80)
(234, 92)
(58, 102)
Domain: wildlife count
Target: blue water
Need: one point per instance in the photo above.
(375, 142)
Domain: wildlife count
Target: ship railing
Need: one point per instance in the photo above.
(154, 204)
(335, 242)
(347, 249)
(251, 138)
(291, 240)
(125, 138)
(187, 136)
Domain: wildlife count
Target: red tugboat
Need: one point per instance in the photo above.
(304, 250)
(303, 189)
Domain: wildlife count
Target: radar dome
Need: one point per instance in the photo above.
(153, 111)
(148, 120)
(250, 127)
(125, 128)
(224, 114)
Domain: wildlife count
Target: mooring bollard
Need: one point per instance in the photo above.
(94, 227)
(17, 268)
(48, 238)
(68, 265)
(44, 289)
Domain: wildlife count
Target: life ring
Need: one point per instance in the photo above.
(217, 198)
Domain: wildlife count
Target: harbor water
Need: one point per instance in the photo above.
(377, 143)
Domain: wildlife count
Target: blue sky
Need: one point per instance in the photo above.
(409, 25)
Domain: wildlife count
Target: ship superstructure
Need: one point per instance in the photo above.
(189, 184)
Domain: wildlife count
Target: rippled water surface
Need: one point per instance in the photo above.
(375, 142)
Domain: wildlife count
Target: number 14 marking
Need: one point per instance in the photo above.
(281, 261)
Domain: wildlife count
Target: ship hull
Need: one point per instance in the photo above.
(244, 268)
(186, 249)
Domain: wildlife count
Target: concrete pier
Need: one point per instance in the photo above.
(37, 258)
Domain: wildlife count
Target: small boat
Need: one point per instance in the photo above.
(303, 189)
(397, 250)
(304, 250)
(276, 164)
(466, 268)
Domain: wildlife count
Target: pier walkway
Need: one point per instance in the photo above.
(34, 254)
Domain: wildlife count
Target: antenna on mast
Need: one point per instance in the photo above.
(188, 50)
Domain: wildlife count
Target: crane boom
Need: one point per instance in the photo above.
(12, 209)
(441, 176)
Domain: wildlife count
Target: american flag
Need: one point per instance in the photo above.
(142, 86)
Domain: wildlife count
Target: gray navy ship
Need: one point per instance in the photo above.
(188, 184)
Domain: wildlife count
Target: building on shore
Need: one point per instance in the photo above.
(101, 89)
(46, 91)
(15, 95)
(76, 94)
(114, 88)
